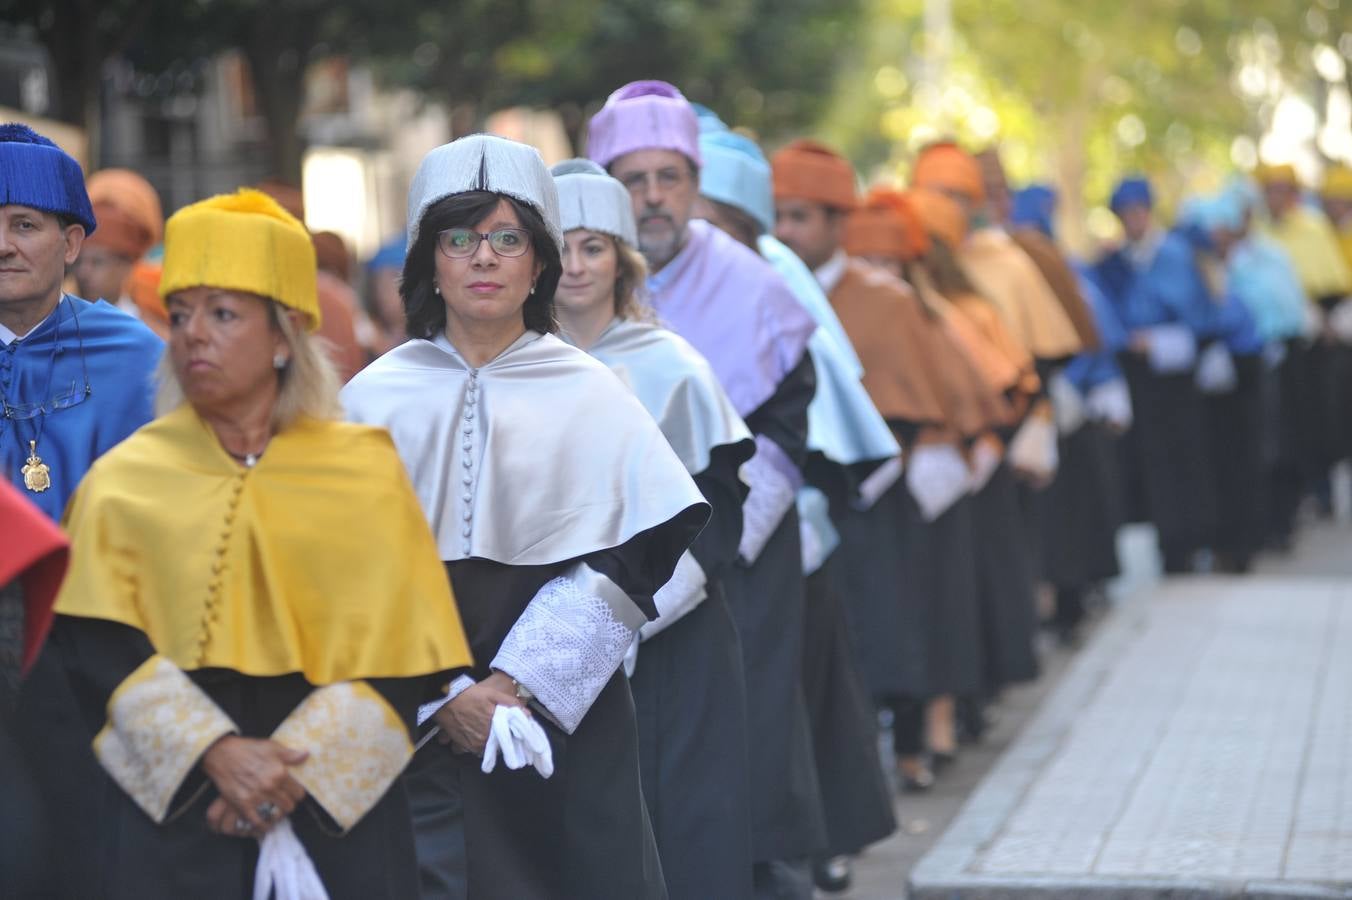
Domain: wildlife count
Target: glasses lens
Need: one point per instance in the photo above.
(509, 241)
(458, 242)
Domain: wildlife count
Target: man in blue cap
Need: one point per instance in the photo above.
(1156, 287)
(75, 377)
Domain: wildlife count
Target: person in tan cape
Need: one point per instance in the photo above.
(112, 266)
(920, 381)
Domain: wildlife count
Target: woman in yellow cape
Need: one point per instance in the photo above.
(255, 606)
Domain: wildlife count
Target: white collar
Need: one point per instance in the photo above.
(829, 273)
(8, 337)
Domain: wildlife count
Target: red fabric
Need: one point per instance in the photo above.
(33, 550)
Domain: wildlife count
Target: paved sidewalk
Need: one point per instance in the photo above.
(1201, 746)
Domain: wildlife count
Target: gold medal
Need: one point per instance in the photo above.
(36, 476)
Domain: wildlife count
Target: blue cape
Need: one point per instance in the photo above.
(47, 368)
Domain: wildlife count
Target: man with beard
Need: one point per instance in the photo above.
(739, 314)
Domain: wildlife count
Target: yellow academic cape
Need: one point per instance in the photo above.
(1308, 237)
(318, 560)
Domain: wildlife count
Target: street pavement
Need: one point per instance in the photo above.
(1199, 745)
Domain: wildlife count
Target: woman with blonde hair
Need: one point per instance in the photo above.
(255, 607)
(686, 666)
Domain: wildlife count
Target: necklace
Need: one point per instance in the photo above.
(37, 475)
(248, 459)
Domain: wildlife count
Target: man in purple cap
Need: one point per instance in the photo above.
(736, 310)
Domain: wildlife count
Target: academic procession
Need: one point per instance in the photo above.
(583, 540)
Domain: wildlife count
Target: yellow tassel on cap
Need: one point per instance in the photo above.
(246, 242)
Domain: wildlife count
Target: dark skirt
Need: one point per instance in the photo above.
(1169, 441)
(1081, 511)
(866, 575)
(584, 832)
(855, 796)
(1235, 431)
(1004, 572)
(766, 600)
(926, 641)
(690, 696)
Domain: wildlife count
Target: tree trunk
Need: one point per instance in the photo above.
(277, 52)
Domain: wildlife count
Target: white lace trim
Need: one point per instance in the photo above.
(680, 595)
(564, 648)
(772, 494)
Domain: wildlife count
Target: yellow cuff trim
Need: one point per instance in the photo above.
(357, 746)
(159, 725)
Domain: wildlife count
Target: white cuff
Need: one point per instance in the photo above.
(1033, 449)
(1172, 348)
(772, 494)
(565, 648)
(1339, 321)
(937, 478)
(458, 687)
(1216, 370)
(878, 481)
(1111, 402)
(815, 529)
(685, 591)
(986, 458)
(1067, 404)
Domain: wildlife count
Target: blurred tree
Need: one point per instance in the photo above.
(80, 36)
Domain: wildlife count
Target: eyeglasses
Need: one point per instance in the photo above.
(459, 243)
(667, 179)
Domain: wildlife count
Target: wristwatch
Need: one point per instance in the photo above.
(523, 693)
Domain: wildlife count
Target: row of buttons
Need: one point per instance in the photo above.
(211, 612)
(467, 445)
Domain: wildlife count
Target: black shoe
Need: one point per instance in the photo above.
(834, 875)
(941, 761)
(920, 784)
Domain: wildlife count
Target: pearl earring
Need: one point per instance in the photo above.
(436, 289)
(532, 289)
(279, 361)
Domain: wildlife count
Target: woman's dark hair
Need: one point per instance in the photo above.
(425, 310)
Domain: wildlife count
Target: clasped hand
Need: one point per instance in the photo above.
(254, 780)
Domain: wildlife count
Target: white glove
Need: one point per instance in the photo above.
(1111, 402)
(285, 871)
(1067, 404)
(1339, 321)
(1172, 348)
(630, 661)
(986, 458)
(1033, 449)
(937, 478)
(1216, 370)
(520, 740)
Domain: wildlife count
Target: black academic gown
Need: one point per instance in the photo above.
(126, 856)
(690, 696)
(1166, 450)
(513, 835)
(1234, 423)
(1004, 574)
(767, 602)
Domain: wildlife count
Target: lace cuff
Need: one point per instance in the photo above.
(815, 529)
(682, 593)
(1172, 348)
(566, 646)
(159, 725)
(357, 746)
(773, 491)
